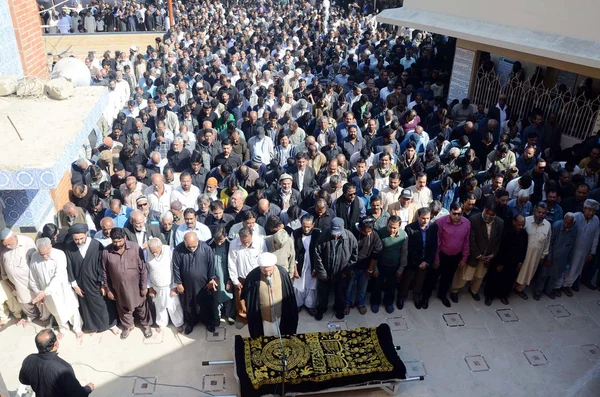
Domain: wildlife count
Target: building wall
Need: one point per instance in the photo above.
(10, 61)
(28, 34)
(574, 18)
(79, 45)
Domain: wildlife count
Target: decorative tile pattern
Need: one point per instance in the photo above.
(220, 335)
(10, 61)
(213, 382)
(453, 320)
(507, 315)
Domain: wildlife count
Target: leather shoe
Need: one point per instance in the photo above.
(188, 329)
(550, 295)
(375, 308)
(536, 297)
(446, 302)
(568, 292)
(488, 301)
(475, 296)
(339, 315)
(418, 304)
(454, 297)
(504, 301)
(575, 288)
(210, 328)
(425, 304)
(389, 308)
(556, 292)
(362, 310)
(399, 304)
(319, 316)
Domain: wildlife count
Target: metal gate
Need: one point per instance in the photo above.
(576, 114)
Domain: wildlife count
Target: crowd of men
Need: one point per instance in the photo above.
(320, 138)
(98, 16)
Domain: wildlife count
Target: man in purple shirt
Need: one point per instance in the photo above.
(452, 253)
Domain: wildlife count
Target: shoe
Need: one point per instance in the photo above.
(568, 291)
(575, 288)
(475, 297)
(522, 295)
(425, 304)
(375, 308)
(362, 310)
(210, 328)
(445, 302)
(504, 301)
(347, 310)
(400, 304)
(454, 297)
(389, 308)
(230, 320)
(418, 304)
(319, 316)
(536, 297)
(488, 301)
(550, 295)
(239, 325)
(312, 312)
(556, 292)
(340, 315)
(188, 329)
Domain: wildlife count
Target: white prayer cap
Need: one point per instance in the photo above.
(267, 259)
(5, 233)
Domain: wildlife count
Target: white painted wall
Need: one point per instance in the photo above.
(574, 18)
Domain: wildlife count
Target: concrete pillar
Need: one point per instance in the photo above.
(28, 34)
(463, 72)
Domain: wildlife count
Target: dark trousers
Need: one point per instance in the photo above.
(589, 270)
(324, 288)
(202, 310)
(500, 284)
(386, 283)
(409, 276)
(445, 272)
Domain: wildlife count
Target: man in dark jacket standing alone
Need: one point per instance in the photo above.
(336, 253)
(49, 375)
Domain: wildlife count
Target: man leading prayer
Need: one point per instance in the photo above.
(260, 296)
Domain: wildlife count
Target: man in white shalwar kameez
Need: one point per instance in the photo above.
(586, 243)
(538, 246)
(15, 258)
(49, 280)
(161, 287)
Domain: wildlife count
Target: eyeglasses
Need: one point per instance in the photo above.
(142, 205)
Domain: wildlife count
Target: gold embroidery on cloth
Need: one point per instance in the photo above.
(314, 357)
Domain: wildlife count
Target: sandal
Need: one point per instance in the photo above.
(147, 332)
(126, 333)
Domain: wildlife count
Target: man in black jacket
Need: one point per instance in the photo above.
(335, 254)
(422, 245)
(369, 248)
(49, 375)
(305, 281)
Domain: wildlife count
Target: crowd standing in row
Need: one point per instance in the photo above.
(318, 137)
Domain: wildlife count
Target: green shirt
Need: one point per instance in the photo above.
(392, 255)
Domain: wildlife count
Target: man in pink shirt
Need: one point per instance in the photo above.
(452, 253)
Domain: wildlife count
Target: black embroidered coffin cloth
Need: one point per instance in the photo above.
(317, 361)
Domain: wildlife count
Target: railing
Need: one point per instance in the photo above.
(575, 114)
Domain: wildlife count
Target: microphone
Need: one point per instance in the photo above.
(269, 281)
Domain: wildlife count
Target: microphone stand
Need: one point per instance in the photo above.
(277, 323)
